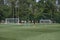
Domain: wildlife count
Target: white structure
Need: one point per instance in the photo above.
(5, 1)
(12, 20)
(58, 4)
(48, 21)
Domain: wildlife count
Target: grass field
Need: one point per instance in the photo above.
(30, 32)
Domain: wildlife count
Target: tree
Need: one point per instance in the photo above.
(24, 10)
(50, 9)
(29, 10)
(13, 7)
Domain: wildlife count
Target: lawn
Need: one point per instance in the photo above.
(30, 32)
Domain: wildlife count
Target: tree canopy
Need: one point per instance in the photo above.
(30, 10)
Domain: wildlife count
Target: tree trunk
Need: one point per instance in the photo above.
(0, 21)
(20, 21)
(38, 21)
(34, 21)
(31, 21)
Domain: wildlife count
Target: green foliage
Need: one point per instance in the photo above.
(30, 10)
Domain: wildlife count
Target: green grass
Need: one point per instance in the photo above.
(30, 32)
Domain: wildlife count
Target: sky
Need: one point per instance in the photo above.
(37, 0)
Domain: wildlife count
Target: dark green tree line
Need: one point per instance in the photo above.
(30, 10)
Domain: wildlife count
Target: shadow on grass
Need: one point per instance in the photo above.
(47, 30)
(2, 38)
(40, 30)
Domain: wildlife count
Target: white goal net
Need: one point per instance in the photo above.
(46, 21)
(11, 20)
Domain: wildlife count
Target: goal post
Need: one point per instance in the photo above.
(46, 21)
(12, 20)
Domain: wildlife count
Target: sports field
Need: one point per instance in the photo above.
(30, 32)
